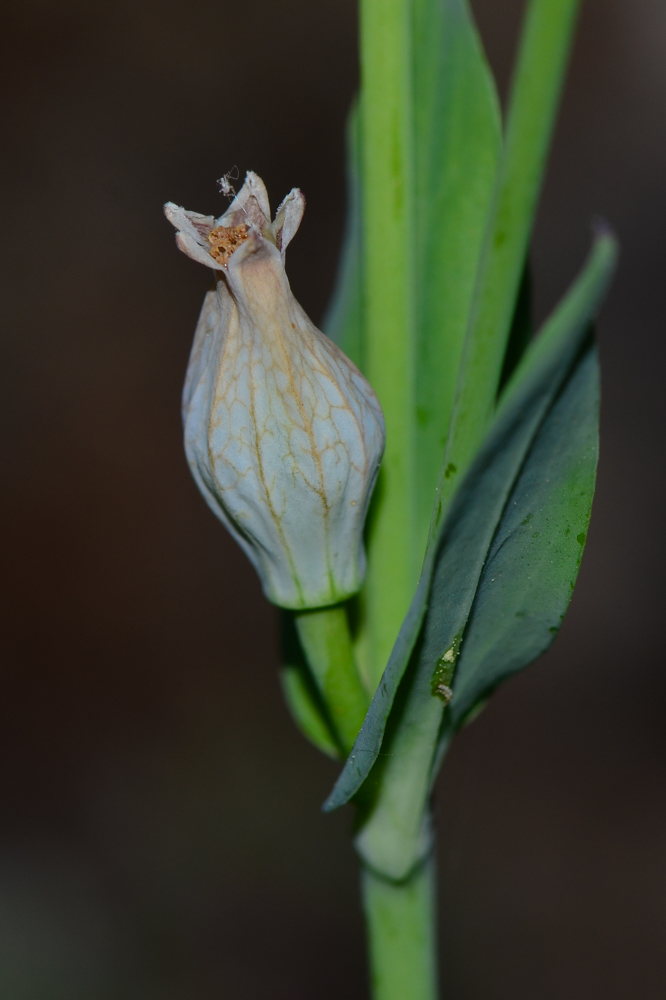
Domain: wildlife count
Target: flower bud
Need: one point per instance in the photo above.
(283, 434)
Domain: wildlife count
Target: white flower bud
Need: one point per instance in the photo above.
(283, 434)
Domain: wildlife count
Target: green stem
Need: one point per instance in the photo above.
(542, 60)
(388, 218)
(326, 641)
(401, 923)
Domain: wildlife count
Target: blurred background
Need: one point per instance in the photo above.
(160, 827)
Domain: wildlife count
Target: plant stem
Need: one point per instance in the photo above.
(401, 922)
(326, 641)
(388, 218)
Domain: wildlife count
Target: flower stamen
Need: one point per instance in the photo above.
(224, 240)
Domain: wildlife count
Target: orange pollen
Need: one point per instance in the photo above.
(223, 241)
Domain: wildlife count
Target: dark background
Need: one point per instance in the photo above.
(160, 832)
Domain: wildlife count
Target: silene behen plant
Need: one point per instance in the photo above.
(488, 431)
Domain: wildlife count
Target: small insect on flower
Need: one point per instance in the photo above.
(283, 434)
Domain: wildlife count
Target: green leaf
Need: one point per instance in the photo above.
(303, 699)
(448, 585)
(429, 198)
(343, 322)
(429, 178)
(531, 569)
(457, 144)
(302, 702)
(391, 837)
(327, 644)
(542, 58)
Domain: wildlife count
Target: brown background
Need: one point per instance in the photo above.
(160, 833)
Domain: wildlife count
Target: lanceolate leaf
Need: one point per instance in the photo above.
(531, 569)
(450, 580)
(543, 53)
(343, 322)
(457, 143)
(300, 692)
(391, 838)
(301, 699)
(429, 174)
